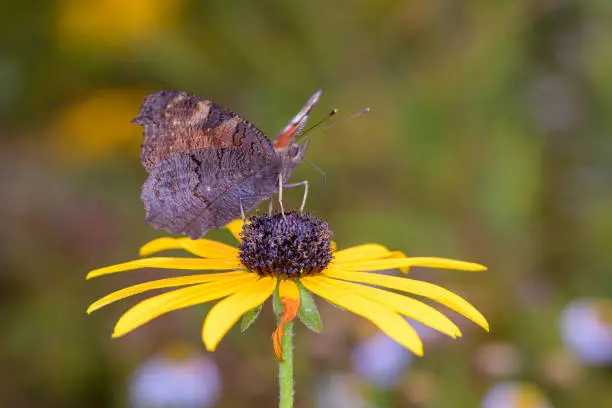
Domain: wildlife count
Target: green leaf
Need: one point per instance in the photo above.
(309, 314)
(249, 317)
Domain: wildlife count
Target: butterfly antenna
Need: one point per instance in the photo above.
(332, 113)
(318, 169)
(362, 112)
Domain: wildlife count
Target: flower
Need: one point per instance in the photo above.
(291, 256)
(81, 136)
(112, 23)
(586, 330)
(177, 377)
(381, 361)
(515, 394)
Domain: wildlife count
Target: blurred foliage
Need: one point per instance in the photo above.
(488, 140)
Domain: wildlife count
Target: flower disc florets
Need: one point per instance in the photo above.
(293, 246)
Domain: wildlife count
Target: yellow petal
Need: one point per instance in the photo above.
(151, 308)
(226, 313)
(160, 284)
(203, 247)
(400, 254)
(385, 318)
(288, 289)
(195, 264)
(361, 252)
(235, 227)
(393, 263)
(426, 289)
(404, 305)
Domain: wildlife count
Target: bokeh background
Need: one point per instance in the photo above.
(488, 140)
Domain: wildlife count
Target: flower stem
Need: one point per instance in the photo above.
(285, 373)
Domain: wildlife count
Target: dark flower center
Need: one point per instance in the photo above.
(292, 247)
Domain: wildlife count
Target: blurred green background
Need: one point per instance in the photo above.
(488, 140)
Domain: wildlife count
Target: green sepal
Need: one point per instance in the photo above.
(277, 306)
(249, 317)
(309, 313)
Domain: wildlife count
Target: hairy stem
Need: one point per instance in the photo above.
(285, 372)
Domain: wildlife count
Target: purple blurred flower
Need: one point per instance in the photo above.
(381, 360)
(161, 381)
(515, 394)
(586, 332)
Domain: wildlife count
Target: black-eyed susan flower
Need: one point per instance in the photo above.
(293, 255)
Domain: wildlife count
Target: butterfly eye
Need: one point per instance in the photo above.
(298, 151)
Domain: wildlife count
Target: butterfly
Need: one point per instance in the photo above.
(207, 165)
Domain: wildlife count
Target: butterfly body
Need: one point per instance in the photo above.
(206, 164)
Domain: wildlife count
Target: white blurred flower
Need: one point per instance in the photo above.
(191, 381)
(586, 332)
(515, 394)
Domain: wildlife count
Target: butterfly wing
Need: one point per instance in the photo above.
(295, 125)
(176, 121)
(191, 192)
(200, 157)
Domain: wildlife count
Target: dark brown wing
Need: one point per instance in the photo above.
(189, 193)
(176, 121)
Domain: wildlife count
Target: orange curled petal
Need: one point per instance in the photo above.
(290, 299)
(277, 338)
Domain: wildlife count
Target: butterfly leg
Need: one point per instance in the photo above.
(301, 183)
(270, 206)
(280, 195)
(242, 211)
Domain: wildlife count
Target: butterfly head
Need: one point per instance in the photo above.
(296, 152)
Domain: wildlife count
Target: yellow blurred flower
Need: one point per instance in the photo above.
(294, 255)
(99, 124)
(113, 22)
